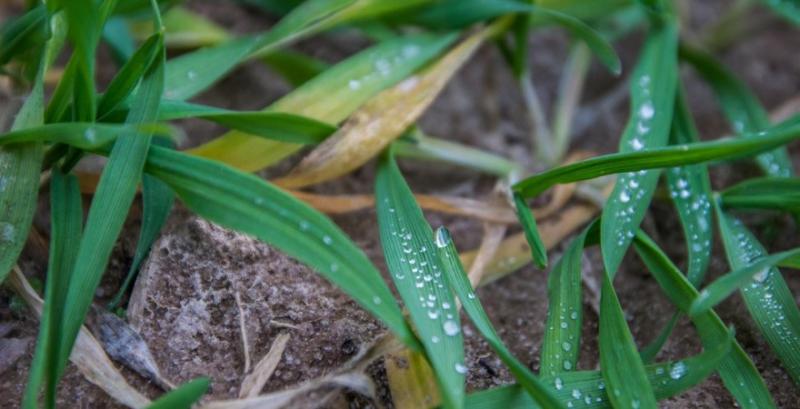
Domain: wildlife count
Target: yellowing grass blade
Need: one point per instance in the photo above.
(330, 97)
(384, 118)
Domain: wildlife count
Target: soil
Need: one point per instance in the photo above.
(184, 303)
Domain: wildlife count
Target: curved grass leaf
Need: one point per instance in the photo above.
(184, 396)
(416, 269)
(330, 97)
(686, 154)
(562, 335)
(775, 193)
(248, 204)
(83, 22)
(620, 363)
(21, 34)
(736, 370)
(690, 190)
(157, 200)
(82, 135)
(192, 73)
(741, 107)
(385, 117)
(724, 286)
(277, 126)
(457, 279)
(653, 88)
(66, 216)
(113, 197)
(586, 389)
(767, 296)
(129, 75)
(599, 46)
(528, 222)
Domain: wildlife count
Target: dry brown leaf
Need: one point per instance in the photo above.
(87, 354)
(254, 382)
(382, 119)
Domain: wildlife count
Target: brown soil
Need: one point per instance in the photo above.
(184, 302)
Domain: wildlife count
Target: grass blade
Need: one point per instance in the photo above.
(248, 204)
(775, 193)
(384, 118)
(528, 222)
(724, 286)
(586, 389)
(690, 190)
(562, 335)
(622, 367)
(767, 296)
(736, 370)
(129, 75)
(183, 397)
(743, 110)
(114, 195)
(653, 85)
(412, 259)
(457, 279)
(330, 97)
(66, 217)
(686, 154)
(157, 200)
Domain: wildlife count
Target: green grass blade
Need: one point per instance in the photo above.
(82, 135)
(622, 367)
(416, 269)
(532, 236)
(296, 68)
(157, 200)
(277, 126)
(562, 336)
(724, 286)
(84, 23)
(129, 75)
(66, 216)
(774, 193)
(457, 279)
(653, 86)
(19, 182)
(690, 190)
(23, 33)
(736, 370)
(586, 389)
(458, 14)
(248, 204)
(182, 397)
(331, 97)
(767, 296)
(741, 107)
(113, 197)
(686, 154)
(599, 46)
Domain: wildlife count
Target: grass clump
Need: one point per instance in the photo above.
(366, 107)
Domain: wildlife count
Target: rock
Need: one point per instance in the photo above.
(184, 306)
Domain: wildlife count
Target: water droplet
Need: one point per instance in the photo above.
(7, 232)
(566, 346)
(624, 197)
(460, 368)
(191, 75)
(635, 404)
(354, 85)
(435, 339)
(637, 144)
(574, 315)
(327, 240)
(471, 296)
(646, 111)
(90, 134)
(678, 370)
(334, 267)
(576, 394)
(376, 300)
(304, 225)
(433, 314)
(559, 384)
(450, 328)
(567, 365)
(442, 237)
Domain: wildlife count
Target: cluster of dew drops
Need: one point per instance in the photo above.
(695, 204)
(427, 276)
(762, 287)
(383, 66)
(629, 190)
(7, 230)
